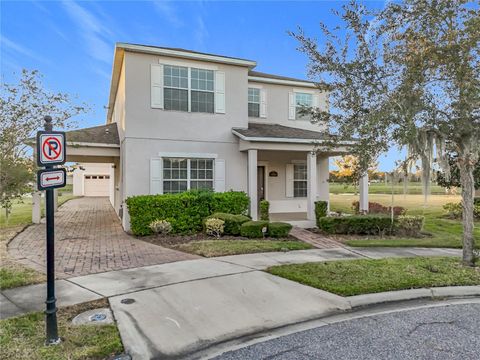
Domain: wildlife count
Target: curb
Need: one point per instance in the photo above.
(435, 293)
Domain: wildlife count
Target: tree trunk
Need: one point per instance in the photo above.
(468, 190)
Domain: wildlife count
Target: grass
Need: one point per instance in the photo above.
(443, 232)
(23, 337)
(211, 248)
(382, 188)
(355, 277)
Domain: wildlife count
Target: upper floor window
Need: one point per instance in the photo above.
(175, 82)
(178, 95)
(300, 180)
(253, 102)
(301, 100)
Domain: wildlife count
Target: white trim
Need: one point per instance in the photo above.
(186, 54)
(282, 82)
(255, 86)
(287, 140)
(188, 64)
(187, 155)
(304, 91)
(74, 143)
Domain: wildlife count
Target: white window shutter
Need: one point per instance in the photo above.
(315, 101)
(156, 81)
(220, 92)
(291, 106)
(263, 103)
(289, 180)
(156, 184)
(219, 175)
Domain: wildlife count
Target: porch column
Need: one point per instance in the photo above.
(311, 184)
(36, 207)
(252, 183)
(323, 169)
(363, 189)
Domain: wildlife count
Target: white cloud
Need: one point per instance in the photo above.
(201, 32)
(93, 31)
(18, 49)
(168, 12)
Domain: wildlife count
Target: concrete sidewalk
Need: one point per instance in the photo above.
(182, 307)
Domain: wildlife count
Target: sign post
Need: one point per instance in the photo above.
(50, 152)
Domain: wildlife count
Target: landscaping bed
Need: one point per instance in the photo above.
(355, 277)
(23, 337)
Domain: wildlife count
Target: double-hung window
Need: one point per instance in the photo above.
(253, 102)
(202, 90)
(302, 100)
(175, 80)
(188, 89)
(184, 174)
(300, 180)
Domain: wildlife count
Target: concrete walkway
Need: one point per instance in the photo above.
(88, 239)
(182, 307)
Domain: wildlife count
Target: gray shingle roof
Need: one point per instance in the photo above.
(103, 134)
(277, 77)
(275, 131)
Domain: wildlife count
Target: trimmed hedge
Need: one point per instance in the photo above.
(279, 229)
(321, 210)
(264, 210)
(377, 208)
(253, 229)
(232, 222)
(410, 225)
(185, 211)
(365, 225)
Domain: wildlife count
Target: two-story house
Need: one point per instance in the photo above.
(180, 120)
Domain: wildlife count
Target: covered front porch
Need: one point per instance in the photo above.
(289, 168)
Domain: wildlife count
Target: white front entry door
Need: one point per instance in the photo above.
(97, 185)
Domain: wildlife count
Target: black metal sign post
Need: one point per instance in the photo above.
(50, 152)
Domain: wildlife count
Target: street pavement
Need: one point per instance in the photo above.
(443, 332)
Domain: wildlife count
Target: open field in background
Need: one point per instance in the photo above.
(413, 188)
(444, 232)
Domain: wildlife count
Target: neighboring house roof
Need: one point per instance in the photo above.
(103, 134)
(277, 79)
(278, 133)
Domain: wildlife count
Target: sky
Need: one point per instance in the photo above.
(72, 42)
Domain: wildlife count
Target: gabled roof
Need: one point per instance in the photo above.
(103, 134)
(279, 133)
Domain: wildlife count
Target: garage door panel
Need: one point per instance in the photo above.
(97, 185)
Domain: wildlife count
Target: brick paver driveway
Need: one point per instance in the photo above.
(88, 239)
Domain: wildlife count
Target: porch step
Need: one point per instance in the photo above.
(317, 240)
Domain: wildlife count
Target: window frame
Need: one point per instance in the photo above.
(310, 94)
(251, 102)
(189, 88)
(189, 179)
(302, 180)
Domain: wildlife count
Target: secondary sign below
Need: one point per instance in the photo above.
(51, 178)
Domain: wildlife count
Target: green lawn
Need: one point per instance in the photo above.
(382, 188)
(355, 277)
(444, 232)
(22, 210)
(23, 337)
(211, 248)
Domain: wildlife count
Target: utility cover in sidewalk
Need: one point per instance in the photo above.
(101, 316)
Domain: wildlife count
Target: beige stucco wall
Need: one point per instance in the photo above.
(118, 114)
(278, 105)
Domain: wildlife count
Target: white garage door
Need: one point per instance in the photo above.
(97, 185)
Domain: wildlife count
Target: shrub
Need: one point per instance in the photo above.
(321, 209)
(162, 227)
(214, 227)
(476, 201)
(264, 210)
(279, 229)
(232, 222)
(366, 224)
(453, 210)
(377, 208)
(253, 229)
(185, 211)
(409, 225)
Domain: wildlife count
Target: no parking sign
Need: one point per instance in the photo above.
(50, 148)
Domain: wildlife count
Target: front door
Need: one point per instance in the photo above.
(260, 183)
